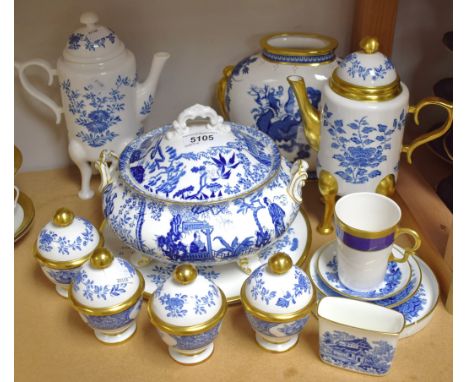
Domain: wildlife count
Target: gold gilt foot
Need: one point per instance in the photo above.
(243, 264)
(328, 188)
(386, 186)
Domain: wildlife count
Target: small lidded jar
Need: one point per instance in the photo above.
(107, 292)
(188, 310)
(63, 245)
(277, 298)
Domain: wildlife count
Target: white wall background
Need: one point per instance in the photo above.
(202, 37)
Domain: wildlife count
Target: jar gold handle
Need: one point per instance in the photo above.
(221, 91)
(430, 136)
(104, 169)
(408, 251)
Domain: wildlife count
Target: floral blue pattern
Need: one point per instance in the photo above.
(279, 329)
(355, 68)
(79, 40)
(115, 321)
(356, 353)
(197, 341)
(147, 105)
(62, 276)
(96, 113)
(280, 119)
(241, 68)
(359, 147)
(49, 240)
(412, 308)
(392, 280)
(259, 291)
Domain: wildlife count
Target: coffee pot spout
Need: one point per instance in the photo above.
(146, 90)
(310, 115)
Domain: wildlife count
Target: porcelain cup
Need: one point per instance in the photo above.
(366, 227)
(357, 335)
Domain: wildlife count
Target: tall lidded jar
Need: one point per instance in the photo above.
(358, 131)
(255, 92)
(102, 102)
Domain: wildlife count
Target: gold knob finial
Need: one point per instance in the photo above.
(280, 263)
(101, 258)
(369, 44)
(185, 274)
(63, 217)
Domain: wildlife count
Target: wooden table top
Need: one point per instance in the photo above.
(52, 343)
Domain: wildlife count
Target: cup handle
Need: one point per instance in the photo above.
(430, 136)
(17, 195)
(408, 251)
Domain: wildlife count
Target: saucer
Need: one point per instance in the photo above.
(397, 277)
(24, 217)
(296, 242)
(391, 302)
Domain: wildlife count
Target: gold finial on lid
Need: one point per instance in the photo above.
(369, 44)
(101, 258)
(185, 274)
(63, 217)
(280, 263)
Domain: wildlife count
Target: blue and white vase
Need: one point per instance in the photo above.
(358, 129)
(358, 336)
(188, 310)
(107, 292)
(255, 92)
(63, 245)
(102, 102)
(277, 298)
(206, 193)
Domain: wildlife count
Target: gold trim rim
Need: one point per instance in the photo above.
(275, 317)
(297, 63)
(319, 316)
(394, 293)
(69, 264)
(331, 42)
(29, 213)
(191, 330)
(18, 160)
(364, 93)
(115, 309)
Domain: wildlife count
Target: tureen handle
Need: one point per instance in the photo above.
(196, 112)
(298, 178)
(21, 67)
(104, 169)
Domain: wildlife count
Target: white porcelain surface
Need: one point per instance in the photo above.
(229, 277)
(19, 216)
(396, 278)
(186, 305)
(74, 241)
(324, 290)
(102, 288)
(357, 335)
(102, 102)
(192, 359)
(259, 95)
(116, 338)
(209, 202)
(276, 347)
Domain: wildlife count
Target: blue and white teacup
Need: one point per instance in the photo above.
(366, 228)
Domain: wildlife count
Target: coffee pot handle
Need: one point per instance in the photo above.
(430, 136)
(21, 67)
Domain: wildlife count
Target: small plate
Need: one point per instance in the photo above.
(396, 279)
(400, 298)
(296, 242)
(27, 207)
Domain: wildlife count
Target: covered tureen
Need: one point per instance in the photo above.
(188, 310)
(63, 245)
(206, 193)
(277, 298)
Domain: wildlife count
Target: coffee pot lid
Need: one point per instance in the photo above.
(92, 43)
(366, 75)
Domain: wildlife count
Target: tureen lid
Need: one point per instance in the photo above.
(187, 302)
(92, 42)
(106, 284)
(278, 290)
(199, 163)
(366, 74)
(66, 240)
